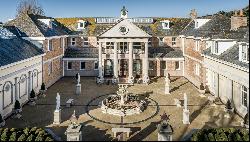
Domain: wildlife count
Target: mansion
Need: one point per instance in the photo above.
(211, 50)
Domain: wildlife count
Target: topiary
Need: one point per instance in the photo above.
(43, 86)
(4, 136)
(30, 138)
(237, 137)
(33, 130)
(32, 94)
(228, 105)
(202, 87)
(22, 138)
(17, 105)
(26, 131)
(13, 137)
(39, 138)
(245, 137)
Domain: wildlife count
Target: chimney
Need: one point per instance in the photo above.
(193, 14)
(238, 20)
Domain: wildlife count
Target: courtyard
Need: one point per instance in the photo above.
(97, 126)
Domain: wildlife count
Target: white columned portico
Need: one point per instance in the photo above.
(115, 61)
(100, 80)
(130, 64)
(145, 64)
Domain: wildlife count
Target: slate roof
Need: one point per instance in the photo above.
(14, 49)
(29, 26)
(164, 52)
(154, 29)
(218, 24)
(80, 52)
(231, 55)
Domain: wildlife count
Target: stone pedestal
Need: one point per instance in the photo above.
(165, 132)
(57, 117)
(74, 133)
(78, 89)
(185, 119)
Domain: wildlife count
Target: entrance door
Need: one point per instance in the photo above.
(108, 68)
(123, 68)
(137, 67)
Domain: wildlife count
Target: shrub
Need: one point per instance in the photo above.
(33, 130)
(43, 86)
(13, 137)
(237, 137)
(26, 131)
(17, 105)
(48, 139)
(22, 138)
(4, 136)
(245, 137)
(202, 87)
(30, 138)
(39, 138)
(211, 137)
(32, 94)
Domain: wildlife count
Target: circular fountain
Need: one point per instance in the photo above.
(122, 103)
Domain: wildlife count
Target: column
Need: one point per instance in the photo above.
(16, 88)
(130, 64)
(29, 82)
(115, 61)
(145, 65)
(100, 61)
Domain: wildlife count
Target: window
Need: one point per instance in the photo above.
(244, 94)
(85, 41)
(197, 69)
(73, 41)
(161, 41)
(109, 45)
(196, 24)
(96, 65)
(245, 53)
(62, 42)
(173, 41)
(136, 45)
(81, 24)
(216, 48)
(82, 67)
(197, 45)
(151, 65)
(49, 68)
(50, 45)
(150, 42)
(165, 24)
(69, 66)
(177, 65)
(123, 47)
(163, 65)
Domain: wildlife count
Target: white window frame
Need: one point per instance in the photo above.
(165, 24)
(50, 45)
(244, 53)
(179, 68)
(68, 65)
(73, 41)
(197, 69)
(96, 62)
(79, 24)
(197, 45)
(81, 65)
(161, 42)
(85, 40)
(174, 41)
(243, 93)
(50, 67)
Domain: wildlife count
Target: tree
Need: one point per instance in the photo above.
(17, 105)
(29, 7)
(32, 94)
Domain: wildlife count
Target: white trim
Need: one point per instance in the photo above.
(34, 38)
(49, 60)
(19, 62)
(167, 59)
(197, 60)
(227, 63)
(77, 59)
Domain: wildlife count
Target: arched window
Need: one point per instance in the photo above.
(35, 78)
(7, 94)
(23, 86)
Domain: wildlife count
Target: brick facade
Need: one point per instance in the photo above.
(92, 41)
(88, 71)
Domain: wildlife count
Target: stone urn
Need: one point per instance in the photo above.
(202, 90)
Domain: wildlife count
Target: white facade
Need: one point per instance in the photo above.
(16, 82)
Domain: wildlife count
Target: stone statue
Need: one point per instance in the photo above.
(58, 102)
(185, 101)
(78, 78)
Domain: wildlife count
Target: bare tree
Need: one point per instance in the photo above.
(30, 7)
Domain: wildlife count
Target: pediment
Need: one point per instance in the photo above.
(125, 28)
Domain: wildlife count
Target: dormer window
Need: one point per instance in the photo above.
(165, 24)
(81, 24)
(161, 41)
(244, 53)
(215, 48)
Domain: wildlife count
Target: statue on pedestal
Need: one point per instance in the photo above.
(58, 102)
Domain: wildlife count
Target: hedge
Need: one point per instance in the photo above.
(221, 134)
(24, 134)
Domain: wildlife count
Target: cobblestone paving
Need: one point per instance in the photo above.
(202, 115)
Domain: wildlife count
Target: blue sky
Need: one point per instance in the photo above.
(136, 8)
